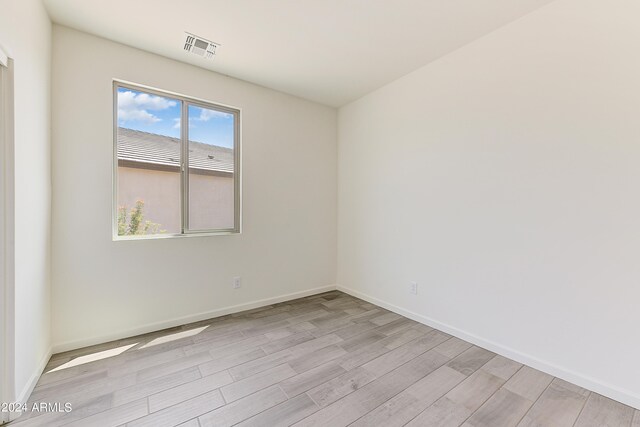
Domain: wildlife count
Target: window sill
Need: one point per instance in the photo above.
(174, 236)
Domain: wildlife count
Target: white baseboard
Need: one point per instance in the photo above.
(35, 376)
(170, 323)
(582, 380)
(26, 391)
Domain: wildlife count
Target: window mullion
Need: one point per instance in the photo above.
(184, 165)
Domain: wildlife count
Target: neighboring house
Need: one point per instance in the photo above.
(149, 170)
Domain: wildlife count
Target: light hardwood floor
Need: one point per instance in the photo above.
(329, 359)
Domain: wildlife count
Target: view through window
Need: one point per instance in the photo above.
(177, 164)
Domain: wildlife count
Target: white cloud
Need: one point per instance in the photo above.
(136, 106)
(176, 123)
(137, 115)
(144, 101)
(206, 115)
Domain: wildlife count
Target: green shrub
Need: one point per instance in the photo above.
(133, 223)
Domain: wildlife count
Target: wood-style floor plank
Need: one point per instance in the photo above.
(529, 383)
(115, 416)
(191, 423)
(283, 414)
(311, 378)
(503, 409)
(453, 347)
(317, 358)
(264, 379)
(472, 359)
(155, 385)
(463, 400)
(509, 404)
(339, 387)
(601, 411)
(328, 359)
(559, 405)
(181, 412)
(407, 404)
(231, 361)
(188, 391)
(245, 408)
(401, 355)
(355, 405)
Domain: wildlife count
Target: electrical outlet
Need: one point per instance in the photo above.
(237, 283)
(413, 288)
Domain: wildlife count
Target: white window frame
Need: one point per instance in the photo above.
(185, 101)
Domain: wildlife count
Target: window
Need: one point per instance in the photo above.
(177, 165)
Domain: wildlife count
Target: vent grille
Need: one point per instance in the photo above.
(200, 46)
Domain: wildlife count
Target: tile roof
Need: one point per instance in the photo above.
(153, 149)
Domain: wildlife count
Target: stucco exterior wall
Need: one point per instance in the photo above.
(211, 202)
(211, 198)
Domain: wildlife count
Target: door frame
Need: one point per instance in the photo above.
(7, 238)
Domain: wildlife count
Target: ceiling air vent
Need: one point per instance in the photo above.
(199, 46)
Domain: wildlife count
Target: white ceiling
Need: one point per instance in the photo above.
(329, 51)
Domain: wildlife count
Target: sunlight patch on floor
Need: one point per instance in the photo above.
(93, 357)
(173, 337)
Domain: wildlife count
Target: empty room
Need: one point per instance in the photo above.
(320, 213)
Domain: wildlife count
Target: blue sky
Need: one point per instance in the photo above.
(161, 115)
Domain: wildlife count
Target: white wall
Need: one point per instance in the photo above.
(505, 179)
(25, 33)
(104, 289)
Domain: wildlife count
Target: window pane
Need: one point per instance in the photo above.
(211, 174)
(148, 198)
